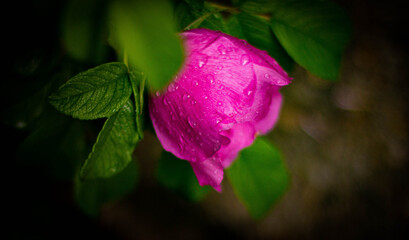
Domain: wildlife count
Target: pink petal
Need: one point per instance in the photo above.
(267, 119)
(209, 172)
(241, 136)
(182, 127)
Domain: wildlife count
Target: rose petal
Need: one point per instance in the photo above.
(241, 136)
(182, 126)
(267, 119)
(209, 172)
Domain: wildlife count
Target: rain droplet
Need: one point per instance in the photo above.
(219, 103)
(205, 97)
(202, 60)
(172, 87)
(157, 93)
(245, 59)
(191, 122)
(196, 83)
(248, 92)
(186, 97)
(220, 67)
(222, 49)
(266, 75)
(210, 78)
(165, 101)
(193, 102)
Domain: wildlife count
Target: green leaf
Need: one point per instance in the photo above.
(96, 93)
(256, 6)
(56, 144)
(257, 32)
(113, 149)
(189, 16)
(92, 194)
(146, 31)
(258, 177)
(314, 33)
(83, 30)
(178, 175)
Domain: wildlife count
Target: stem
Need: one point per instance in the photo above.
(199, 20)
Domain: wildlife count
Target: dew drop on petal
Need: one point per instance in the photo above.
(186, 97)
(266, 75)
(247, 92)
(210, 78)
(191, 122)
(172, 87)
(245, 59)
(219, 103)
(165, 101)
(222, 49)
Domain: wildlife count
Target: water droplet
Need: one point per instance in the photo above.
(221, 87)
(205, 97)
(186, 97)
(245, 59)
(220, 67)
(266, 75)
(219, 103)
(222, 49)
(193, 102)
(210, 78)
(172, 87)
(157, 93)
(165, 101)
(196, 83)
(247, 92)
(202, 60)
(192, 122)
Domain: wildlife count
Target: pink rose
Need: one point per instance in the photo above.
(226, 93)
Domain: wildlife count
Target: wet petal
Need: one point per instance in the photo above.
(269, 116)
(209, 172)
(241, 136)
(182, 126)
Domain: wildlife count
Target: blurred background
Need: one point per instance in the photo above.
(345, 145)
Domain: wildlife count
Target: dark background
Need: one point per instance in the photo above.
(345, 145)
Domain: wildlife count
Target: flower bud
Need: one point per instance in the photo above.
(225, 94)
